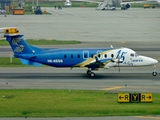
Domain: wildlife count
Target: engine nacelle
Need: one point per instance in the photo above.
(128, 5)
(125, 6)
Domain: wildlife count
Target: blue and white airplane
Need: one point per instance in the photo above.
(91, 58)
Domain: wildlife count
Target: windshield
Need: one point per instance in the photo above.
(134, 55)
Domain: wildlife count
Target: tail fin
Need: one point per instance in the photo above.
(17, 43)
(21, 49)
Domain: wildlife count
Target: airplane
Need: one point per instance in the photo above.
(90, 58)
(2, 12)
(156, 2)
(112, 4)
(67, 3)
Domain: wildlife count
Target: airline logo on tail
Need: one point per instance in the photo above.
(19, 48)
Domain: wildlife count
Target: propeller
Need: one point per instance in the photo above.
(118, 63)
(120, 60)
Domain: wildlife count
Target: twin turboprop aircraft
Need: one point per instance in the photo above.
(91, 58)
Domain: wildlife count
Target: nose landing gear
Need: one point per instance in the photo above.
(154, 71)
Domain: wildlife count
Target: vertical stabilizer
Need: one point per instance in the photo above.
(18, 44)
(16, 41)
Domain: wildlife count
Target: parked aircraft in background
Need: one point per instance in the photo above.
(112, 4)
(156, 2)
(2, 12)
(67, 3)
(90, 58)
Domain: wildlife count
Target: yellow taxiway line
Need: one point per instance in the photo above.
(113, 88)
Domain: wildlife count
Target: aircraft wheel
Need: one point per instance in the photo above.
(154, 73)
(89, 72)
(92, 74)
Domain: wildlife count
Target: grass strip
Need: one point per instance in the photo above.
(70, 103)
(44, 42)
(5, 62)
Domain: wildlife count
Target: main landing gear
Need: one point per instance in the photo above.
(154, 71)
(90, 73)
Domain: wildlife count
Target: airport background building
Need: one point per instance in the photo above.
(4, 4)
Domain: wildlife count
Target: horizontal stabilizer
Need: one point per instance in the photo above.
(28, 62)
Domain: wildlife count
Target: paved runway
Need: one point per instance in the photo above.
(129, 80)
(87, 24)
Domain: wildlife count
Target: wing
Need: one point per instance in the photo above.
(98, 63)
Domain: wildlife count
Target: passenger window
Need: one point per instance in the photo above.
(78, 56)
(105, 55)
(71, 56)
(112, 55)
(132, 54)
(99, 55)
(85, 56)
(65, 56)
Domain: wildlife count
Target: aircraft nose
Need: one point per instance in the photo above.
(149, 61)
(152, 61)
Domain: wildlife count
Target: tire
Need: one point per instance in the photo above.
(88, 72)
(154, 73)
(92, 74)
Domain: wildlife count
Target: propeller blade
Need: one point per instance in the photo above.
(118, 63)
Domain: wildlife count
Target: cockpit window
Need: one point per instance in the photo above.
(132, 54)
(136, 54)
